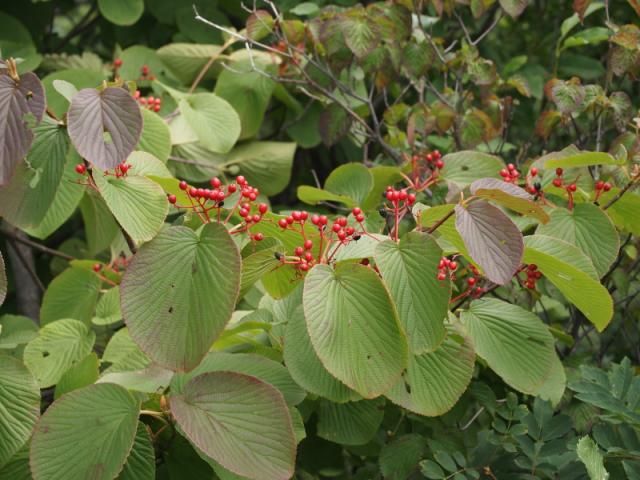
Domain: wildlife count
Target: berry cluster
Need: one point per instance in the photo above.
(120, 170)
(329, 239)
(510, 174)
(446, 268)
(533, 275)
(425, 169)
(204, 200)
(401, 202)
(600, 187)
(151, 103)
(145, 73)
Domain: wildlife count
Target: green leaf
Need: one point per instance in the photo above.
(354, 327)
(81, 374)
(624, 211)
(59, 345)
(463, 168)
(19, 406)
(514, 342)
(108, 308)
(582, 159)
(510, 196)
(589, 453)
(248, 92)
(214, 121)
(122, 354)
(588, 228)
(3, 281)
(434, 381)
(400, 457)
(306, 368)
(409, 269)
(353, 423)
(100, 419)
(141, 462)
(138, 204)
(554, 387)
(78, 77)
(262, 368)
(24, 202)
(352, 180)
(72, 294)
(65, 201)
(240, 422)
(361, 34)
(186, 60)
(104, 126)
(17, 468)
(121, 12)
(16, 330)
(266, 165)
(16, 42)
(100, 228)
(431, 469)
(575, 280)
(155, 138)
(152, 379)
(491, 238)
(314, 196)
(588, 36)
(179, 292)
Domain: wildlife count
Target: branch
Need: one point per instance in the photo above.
(37, 246)
(634, 181)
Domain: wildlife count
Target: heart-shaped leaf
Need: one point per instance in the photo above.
(100, 419)
(492, 239)
(19, 406)
(141, 462)
(104, 126)
(409, 269)
(240, 422)
(72, 294)
(354, 327)
(352, 423)
(179, 292)
(22, 105)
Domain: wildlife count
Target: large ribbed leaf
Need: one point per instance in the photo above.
(121, 12)
(19, 406)
(179, 292)
(434, 381)
(104, 126)
(138, 203)
(80, 374)
(185, 60)
(463, 168)
(510, 196)
(22, 104)
(492, 239)
(264, 369)
(588, 228)
(72, 294)
(352, 423)
(57, 347)
(87, 433)
(409, 269)
(240, 422)
(141, 462)
(352, 180)
(573, 274)
(122, 354)
(155, 138)
(24, 202)
(17, 468)
(3, 281)
(306, 368)
(354, 327)
(215, 122)
(100, 228)
(514, 342)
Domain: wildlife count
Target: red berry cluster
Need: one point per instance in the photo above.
(601, 187)
(204, 200)
(398, 197)
(151, 103)
(145, 73)
(446, 267)
(533, 275)
(122, 169)
(433, 159)
(510, 174)
(425, 169)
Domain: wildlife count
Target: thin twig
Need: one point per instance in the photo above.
(28, 267)
(627, 187)
(35, 245)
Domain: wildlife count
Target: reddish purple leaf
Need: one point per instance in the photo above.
(105, 126)
(492, 239)
(22, 106)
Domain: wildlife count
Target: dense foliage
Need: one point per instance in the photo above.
(358, 240)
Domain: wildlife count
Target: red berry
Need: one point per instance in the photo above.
(81, 169)
(573, 187)
(606, 187)
(172, 199)
(183, 185)
(117, 62)
(201, 192)
(504, 173)
(402, 195)
(471, 281)
(215, 182)
(289, 220)
(342, 221)
(534, 171)
(97, 267)
(389, 195)
(232, 188)
(429, 157)
(256, 218)
(360, 218)
(241, 180)
(559, 172)
(283, 223)
(532, 267)
(297, 216)
(262, 208)
(336, 227)
(557, 182)
(530, 284)
(258, 237)
(442, 276)
(437, 153)
(442, 264)
(308, 256)
(145, 70)
(308, 244)
(439, 164)
(453, 266)
(356, 211)
(411, 198)
(511, 167)
(599, 185)
(298, 251)
(315, 219)
(243, 212)
(342, 235)
(304, 266)
(538, 275)
(323, 220)
(350, 230)
(304, 215)
(193, 192)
